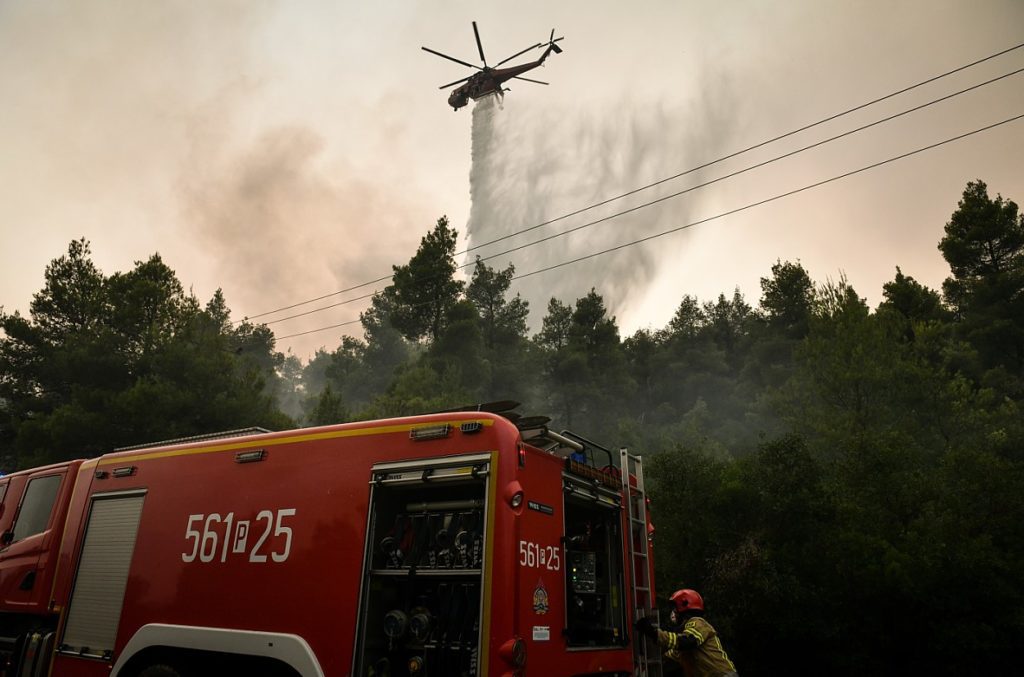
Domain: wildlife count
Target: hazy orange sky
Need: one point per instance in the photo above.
(285, 150)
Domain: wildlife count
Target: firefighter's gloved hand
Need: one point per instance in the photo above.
(645, 626)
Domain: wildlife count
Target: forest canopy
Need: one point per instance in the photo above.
(843, 484)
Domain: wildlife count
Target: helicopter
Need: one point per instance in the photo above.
(491, 78)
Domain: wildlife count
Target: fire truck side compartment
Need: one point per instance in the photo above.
(423, 567)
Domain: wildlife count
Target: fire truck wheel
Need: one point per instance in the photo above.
(159, 670)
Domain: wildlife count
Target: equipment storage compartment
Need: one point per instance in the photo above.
(595, 602)
(423, 568)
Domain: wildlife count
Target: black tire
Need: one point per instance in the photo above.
(159, 670)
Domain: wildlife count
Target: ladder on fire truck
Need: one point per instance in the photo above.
(646, 654)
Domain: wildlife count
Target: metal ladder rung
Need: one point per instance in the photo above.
(646, 657)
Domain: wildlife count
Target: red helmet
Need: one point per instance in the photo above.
(687, 600)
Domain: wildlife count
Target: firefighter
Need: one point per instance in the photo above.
(693, 642)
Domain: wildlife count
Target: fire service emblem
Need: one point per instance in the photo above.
(540, 599)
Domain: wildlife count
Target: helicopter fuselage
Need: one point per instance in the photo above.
(490, 80)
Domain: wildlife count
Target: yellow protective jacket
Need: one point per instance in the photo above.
(697, 648)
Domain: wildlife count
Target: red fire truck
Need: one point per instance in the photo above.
(451, 544)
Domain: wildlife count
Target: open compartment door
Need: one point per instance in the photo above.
(594, 582)
(423, 569)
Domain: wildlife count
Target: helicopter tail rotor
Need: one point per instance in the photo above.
(552, 40)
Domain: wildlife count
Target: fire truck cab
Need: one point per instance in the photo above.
(451, 544)
(33, 510)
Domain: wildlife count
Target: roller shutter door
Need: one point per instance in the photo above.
(95, 608)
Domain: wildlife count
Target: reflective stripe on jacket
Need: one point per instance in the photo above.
(697, 648)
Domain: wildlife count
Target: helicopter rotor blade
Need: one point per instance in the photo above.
(455, 83)
(536, 82)
(539, 44)
(450, 58)
(552, 40)
(479, 45)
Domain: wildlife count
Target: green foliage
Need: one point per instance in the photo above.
(424, 290)
(782, 321)
(290, 387)
(110, 361)
(984, 245)
(503, 321)
(584, 364)
(506, 352)
(912, 301)
(329, 408)
(787, 299)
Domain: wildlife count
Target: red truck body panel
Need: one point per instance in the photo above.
(279, 545)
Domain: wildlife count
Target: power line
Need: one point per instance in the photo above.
(314, 331)
(671, 196)
(770, 199)
(727, 213)
(323, 308)
(749, 148)
(318, 298)
(659, 182)
(746, 169)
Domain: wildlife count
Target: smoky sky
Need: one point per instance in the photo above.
(281, 223)
(283, 151)
(161, 127)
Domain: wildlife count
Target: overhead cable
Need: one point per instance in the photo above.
(671, 196)
(744, 170)
(770, 199)
(659, 182)
(751, 205)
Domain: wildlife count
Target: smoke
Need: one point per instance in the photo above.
(289, 224)
(96, 98)
(532, 164)
(182, 127)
